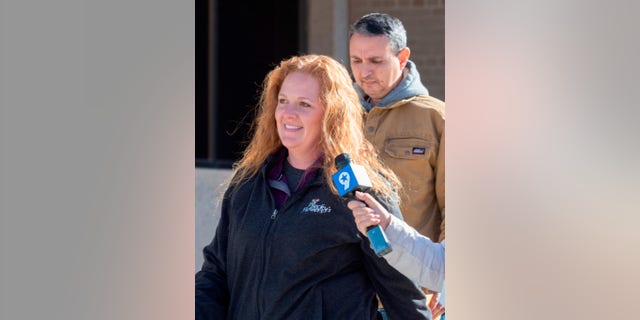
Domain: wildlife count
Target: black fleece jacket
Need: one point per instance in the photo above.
(305, 260)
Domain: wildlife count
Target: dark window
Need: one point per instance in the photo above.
(237, 43)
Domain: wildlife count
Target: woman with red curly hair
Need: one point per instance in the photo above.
(286, 245)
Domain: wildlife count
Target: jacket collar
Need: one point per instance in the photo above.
(275, 165)
(278, 181)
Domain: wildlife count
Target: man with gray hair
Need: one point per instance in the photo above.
(404, 123)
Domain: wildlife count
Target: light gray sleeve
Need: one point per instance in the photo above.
(415, 255)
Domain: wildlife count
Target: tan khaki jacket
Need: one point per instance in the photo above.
(409, 136)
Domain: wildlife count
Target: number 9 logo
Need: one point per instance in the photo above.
(344, 180)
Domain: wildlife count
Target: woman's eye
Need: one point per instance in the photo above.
(304, 104)
(282, 101)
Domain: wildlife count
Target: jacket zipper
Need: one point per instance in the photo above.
(264, 260)
(274, 214)
(264, 255)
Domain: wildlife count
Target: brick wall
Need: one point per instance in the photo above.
(424, 22)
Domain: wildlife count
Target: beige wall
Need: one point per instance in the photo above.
(210, 187)
(328, 25)
(423, 19)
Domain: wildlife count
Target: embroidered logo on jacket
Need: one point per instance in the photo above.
(314, 206)
(417, 150)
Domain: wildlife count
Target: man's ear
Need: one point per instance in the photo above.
(403, 56)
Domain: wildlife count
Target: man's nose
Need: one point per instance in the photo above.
(366, 69)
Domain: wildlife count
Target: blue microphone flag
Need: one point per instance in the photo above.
(349, 179)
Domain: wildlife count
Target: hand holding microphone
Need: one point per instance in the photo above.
(368, 212)
(349, 179)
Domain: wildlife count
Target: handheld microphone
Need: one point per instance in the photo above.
(349, 179)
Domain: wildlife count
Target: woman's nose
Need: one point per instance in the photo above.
(288, 109)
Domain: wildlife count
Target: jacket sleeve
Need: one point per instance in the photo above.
(401, 297)
(440, 183)
(415, 255)
(211, 290)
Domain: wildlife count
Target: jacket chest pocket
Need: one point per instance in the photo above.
(408, 148)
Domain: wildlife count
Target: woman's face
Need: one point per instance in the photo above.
(299, 115)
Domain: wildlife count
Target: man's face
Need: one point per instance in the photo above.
(375, 66)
